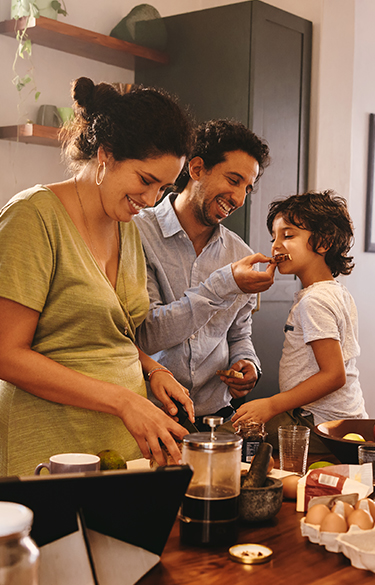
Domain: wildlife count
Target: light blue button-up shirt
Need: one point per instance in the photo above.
(199, 319)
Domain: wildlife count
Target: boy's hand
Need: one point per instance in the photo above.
(258, 410)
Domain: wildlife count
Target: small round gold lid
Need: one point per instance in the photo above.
(250, 554)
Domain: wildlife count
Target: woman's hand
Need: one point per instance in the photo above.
(148, 424)
(164, 386)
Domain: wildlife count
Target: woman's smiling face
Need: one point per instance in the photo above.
(129, 186)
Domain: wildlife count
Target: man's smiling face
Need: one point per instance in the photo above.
(223, 189)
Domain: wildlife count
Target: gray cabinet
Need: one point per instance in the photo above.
(249, 61)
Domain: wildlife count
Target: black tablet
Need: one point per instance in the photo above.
(134, 507)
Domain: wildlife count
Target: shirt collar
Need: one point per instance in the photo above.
(169, 224)
(167, 218)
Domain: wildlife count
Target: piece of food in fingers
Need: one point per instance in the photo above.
(231, 373)
(278, 258)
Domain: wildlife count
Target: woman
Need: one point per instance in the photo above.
(73, 289)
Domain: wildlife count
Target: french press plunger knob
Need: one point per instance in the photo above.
(213, 422)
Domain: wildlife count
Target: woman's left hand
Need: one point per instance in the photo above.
(164, 387)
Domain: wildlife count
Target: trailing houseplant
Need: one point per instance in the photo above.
(31, 9)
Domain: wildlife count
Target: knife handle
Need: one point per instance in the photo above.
(182, 415)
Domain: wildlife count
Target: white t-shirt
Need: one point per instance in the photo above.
(323, 310)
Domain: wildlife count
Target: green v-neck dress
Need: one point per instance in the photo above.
(46, 266)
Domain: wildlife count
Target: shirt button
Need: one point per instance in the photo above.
(192, 336)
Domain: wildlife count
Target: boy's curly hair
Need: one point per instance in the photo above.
(326, 216)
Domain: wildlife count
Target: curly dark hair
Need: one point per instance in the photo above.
(213, 139)
(326, 216)
(138, 124)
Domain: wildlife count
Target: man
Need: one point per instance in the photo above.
(201, 277)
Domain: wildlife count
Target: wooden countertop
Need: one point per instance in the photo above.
(295, 559)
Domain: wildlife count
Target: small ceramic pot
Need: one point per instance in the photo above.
(258, 504)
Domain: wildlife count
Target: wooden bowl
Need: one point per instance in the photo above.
(258, 504)
(331, 433)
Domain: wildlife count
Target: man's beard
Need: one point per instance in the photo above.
(202, 211)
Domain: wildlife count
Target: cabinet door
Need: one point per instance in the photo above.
(209, 71)
(279, 107)
(251, 62)
(279, 111)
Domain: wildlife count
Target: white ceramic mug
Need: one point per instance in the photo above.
(70, 463)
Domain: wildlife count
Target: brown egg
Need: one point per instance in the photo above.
(371, 506)
(290, 486)
(316, 513)
(362, 519)
(333, 523)
(345, 506)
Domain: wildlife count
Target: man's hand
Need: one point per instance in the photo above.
(240, 387)
(250, 280)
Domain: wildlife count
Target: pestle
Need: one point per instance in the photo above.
(258, 470)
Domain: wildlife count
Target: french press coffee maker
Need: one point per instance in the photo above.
(209, 510)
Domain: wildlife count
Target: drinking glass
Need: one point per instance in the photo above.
(293, 448)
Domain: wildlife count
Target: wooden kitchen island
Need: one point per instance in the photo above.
(295, 560)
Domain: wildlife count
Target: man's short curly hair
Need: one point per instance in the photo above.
(215, 138)
(326, 216)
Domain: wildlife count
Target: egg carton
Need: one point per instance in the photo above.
(356, 544)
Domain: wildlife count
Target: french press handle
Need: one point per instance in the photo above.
(213, 422)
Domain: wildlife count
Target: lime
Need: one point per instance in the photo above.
(353, 437)
(318, 464)
(110, 459)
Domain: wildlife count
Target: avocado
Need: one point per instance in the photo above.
(110, 459)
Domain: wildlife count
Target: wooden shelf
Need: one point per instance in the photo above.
(31, 134)
(84, 43)
(76, 41)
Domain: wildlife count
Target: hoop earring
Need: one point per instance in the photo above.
(97, 181)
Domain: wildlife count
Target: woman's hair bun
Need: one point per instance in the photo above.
(83, 90)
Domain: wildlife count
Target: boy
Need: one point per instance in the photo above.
(317, 376)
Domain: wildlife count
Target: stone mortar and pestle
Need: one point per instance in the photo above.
(261, 496)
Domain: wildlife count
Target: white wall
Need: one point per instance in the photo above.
(23, 165)
(362, 281)
(343, 95)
